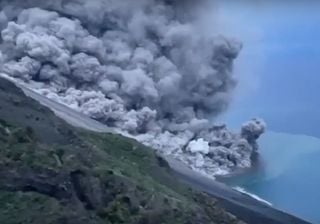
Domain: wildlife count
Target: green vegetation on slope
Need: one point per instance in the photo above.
(53, 173)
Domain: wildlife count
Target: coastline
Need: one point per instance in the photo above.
(243, 206)
(240, 204)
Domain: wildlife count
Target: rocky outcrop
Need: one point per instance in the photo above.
(26, 179)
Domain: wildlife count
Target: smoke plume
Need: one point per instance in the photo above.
(144, 67)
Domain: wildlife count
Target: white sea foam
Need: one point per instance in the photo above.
(243, 191)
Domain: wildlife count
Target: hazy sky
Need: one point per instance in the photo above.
(279, 66)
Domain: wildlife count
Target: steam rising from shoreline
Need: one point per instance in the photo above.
(145, 68)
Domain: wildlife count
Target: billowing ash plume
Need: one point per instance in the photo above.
(144, 67)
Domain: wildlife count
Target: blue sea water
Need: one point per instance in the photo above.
(287, 174)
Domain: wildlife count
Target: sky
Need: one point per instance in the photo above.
(278, 69)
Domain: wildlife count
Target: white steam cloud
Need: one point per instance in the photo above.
(144, 67)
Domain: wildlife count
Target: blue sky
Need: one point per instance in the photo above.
(279, 66)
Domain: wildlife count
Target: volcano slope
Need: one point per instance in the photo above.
(54, 173)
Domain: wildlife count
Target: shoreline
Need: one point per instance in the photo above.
(242, 205)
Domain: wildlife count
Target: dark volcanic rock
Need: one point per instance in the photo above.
(25, 179)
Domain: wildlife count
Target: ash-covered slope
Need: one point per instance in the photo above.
(146, 67)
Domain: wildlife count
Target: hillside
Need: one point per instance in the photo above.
(53, 173)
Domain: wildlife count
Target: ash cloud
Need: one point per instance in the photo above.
(143, 67)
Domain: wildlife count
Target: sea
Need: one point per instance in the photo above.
(286, 175)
